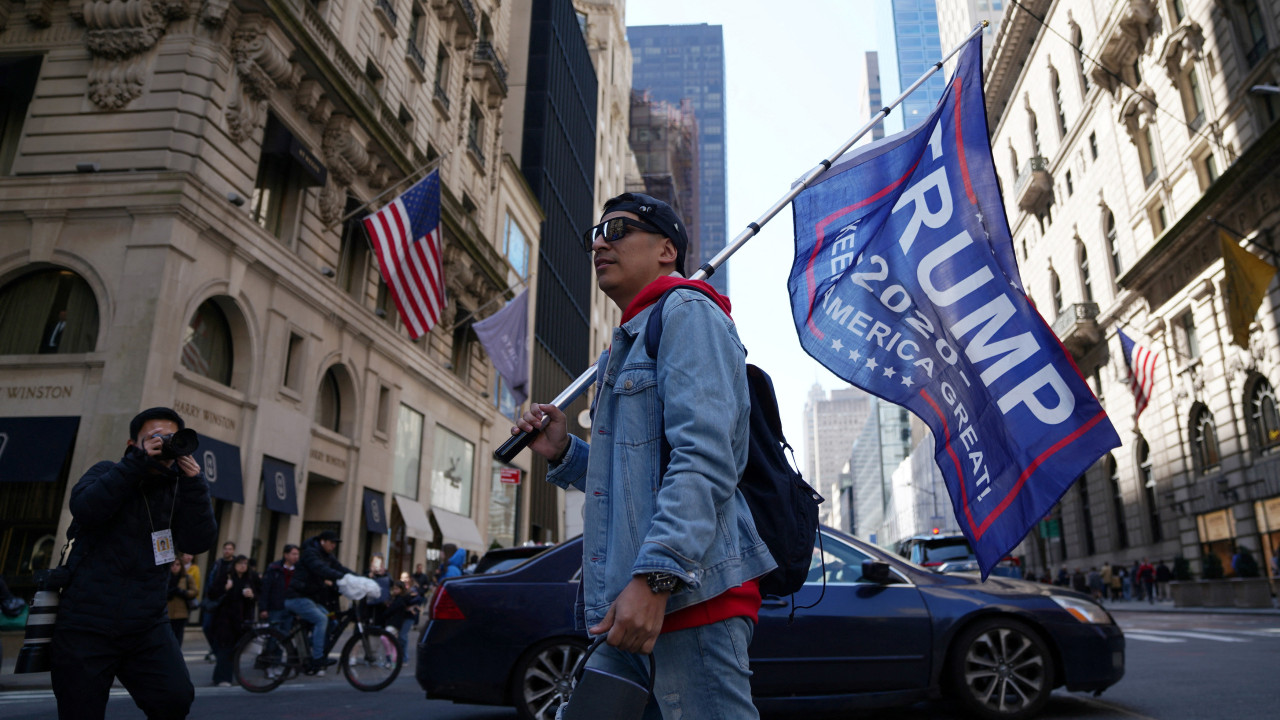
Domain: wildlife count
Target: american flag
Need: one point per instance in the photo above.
(1142, 370)
(406, 239)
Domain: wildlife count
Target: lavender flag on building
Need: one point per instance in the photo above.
(505, 336)
(905, 284)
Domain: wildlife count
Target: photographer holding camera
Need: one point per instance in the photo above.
(128, 518)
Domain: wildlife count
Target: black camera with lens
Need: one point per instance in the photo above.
(179, 444)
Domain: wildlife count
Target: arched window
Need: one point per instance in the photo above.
(1264, 420)
(336, 401)
(329, 402)
(1113, 249)
(1086, 516)
(48, 311)
(1148, 478)
(1117, 500)
(1204, 440)
(206, 345)
(1056, 288)
(1086, 280)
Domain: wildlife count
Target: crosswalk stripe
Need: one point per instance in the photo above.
(1151, 638)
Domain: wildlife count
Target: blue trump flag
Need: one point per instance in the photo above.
(905, 284)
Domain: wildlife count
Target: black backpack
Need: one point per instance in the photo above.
(783, 506)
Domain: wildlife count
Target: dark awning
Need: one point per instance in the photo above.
(34, 449)
(221, 464)
(375, 513)
(279, 491)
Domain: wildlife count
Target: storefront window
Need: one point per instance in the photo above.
(408, 460)
(504, 505)
(452, 468)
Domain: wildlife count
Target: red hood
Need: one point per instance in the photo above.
(651, 292)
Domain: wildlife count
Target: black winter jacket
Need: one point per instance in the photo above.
(313, 568)
(116, 587)
(273, 587)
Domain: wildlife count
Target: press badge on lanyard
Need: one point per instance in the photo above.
(162, 546)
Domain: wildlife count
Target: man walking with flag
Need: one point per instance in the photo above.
(670, 550)
(405, 235)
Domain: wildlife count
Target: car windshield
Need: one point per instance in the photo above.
(939, 551)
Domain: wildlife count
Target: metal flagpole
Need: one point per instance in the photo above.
(431, 165)
(518, 442)
(496, 298)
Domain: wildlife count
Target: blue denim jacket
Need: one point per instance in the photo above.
(692, 521)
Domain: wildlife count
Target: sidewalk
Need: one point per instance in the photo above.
(1166, 606)
(194, 648)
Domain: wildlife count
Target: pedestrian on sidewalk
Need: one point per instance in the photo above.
(236, 591)
(1106, 580)
(1094, 580)
(1147, 578)
(208, 605)
(126, 518)
(1117, 583)
(275, 582)
(1163, 576)
(681, 584)
(181, 591)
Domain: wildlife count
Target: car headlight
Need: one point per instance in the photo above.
(1083, 610)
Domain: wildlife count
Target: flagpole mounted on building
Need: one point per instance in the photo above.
(520, 441)
(419, 172)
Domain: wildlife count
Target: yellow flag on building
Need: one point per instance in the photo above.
(1247, 280)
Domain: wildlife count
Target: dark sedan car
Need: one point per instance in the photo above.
(886, 633)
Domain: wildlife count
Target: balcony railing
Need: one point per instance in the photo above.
(474, 147)
(416, 56)
(385, 7)
(1034, 183)
(1077, 327)
(486, 54)
(441, 97)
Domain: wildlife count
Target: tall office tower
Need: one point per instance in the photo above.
(883, 442)
(831, 423)
(664, 137)
(559, 131)
(869, 100)
(957, 17)
(915, 28)
(677, 62)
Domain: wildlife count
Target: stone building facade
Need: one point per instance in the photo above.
(1128, 135)
(178, 226)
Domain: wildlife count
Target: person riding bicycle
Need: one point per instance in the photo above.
(313, 580)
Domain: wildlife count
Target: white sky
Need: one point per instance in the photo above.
(790, 71)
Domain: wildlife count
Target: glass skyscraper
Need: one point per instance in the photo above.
(674, 62)
(915, 27)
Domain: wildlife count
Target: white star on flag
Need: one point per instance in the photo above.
(837, 345)
(855, 355)
(906, 380)
(871, 363)
(888, 372)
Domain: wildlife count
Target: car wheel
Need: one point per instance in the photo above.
(1000, 669)
(544, 677)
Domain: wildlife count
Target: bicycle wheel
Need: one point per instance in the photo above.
(371, 661)
(262, 660)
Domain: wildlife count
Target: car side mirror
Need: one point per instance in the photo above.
(876, 572)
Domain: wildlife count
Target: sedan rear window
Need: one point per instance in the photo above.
(940, 551)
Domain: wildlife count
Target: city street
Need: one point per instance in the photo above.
(1180, 665)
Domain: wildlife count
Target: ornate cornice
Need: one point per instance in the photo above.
(120, 33)
(261, 54)
(1183, 46)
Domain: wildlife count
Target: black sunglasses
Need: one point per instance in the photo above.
(613, 230)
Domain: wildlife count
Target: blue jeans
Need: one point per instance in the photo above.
(308, 610)
(703, 672)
